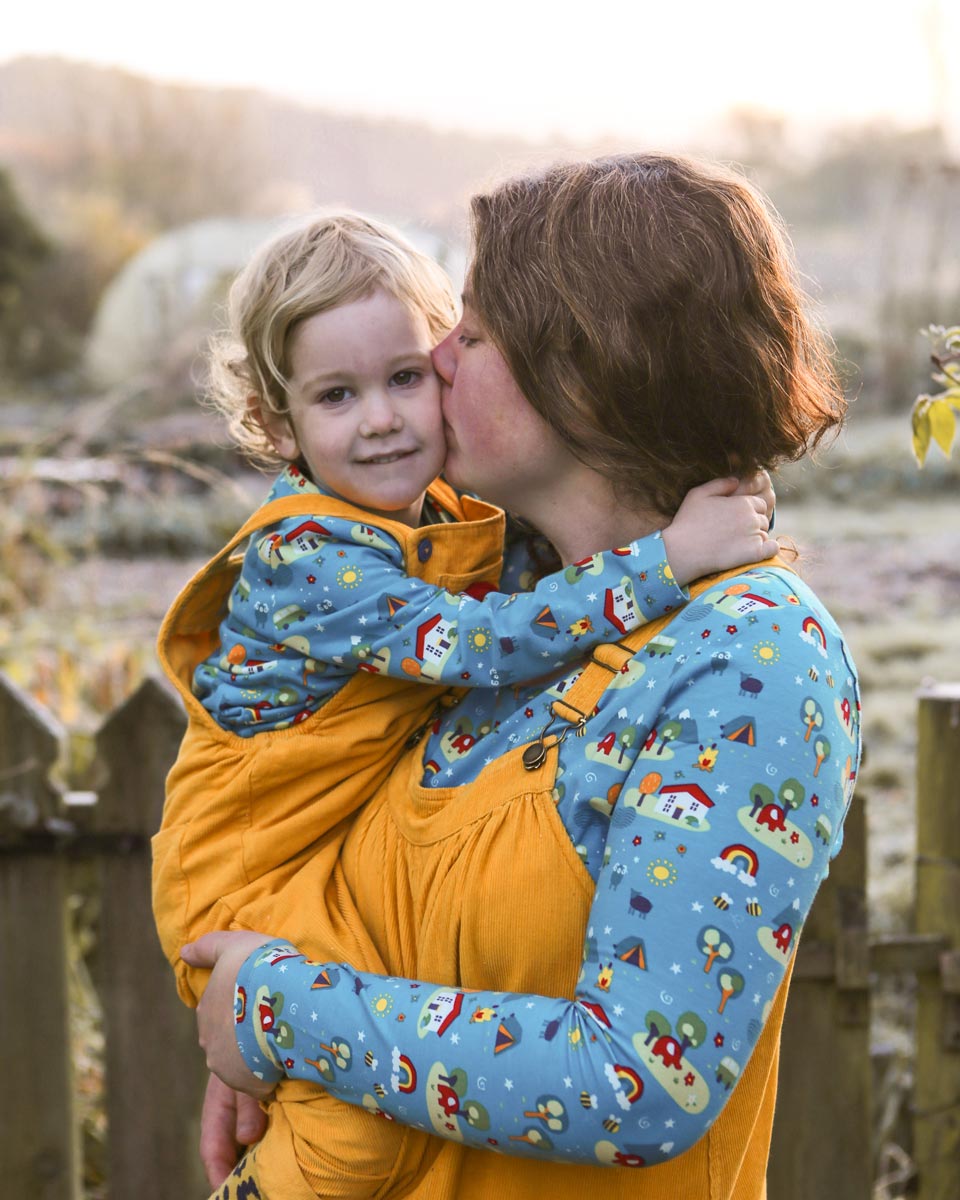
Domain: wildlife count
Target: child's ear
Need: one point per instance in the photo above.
(277, 427)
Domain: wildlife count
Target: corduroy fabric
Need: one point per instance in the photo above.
(449, 885)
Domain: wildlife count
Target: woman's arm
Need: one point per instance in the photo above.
(693, 922)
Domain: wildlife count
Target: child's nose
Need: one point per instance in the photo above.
(380, 416)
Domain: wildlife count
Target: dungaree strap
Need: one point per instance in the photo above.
(577, 706)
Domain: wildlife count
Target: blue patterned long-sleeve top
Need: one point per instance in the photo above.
(310, 610)
(730, 745)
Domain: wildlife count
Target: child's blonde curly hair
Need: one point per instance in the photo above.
(329, 259)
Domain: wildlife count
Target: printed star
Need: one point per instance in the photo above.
(676, 968)
(567, 1081)
(781, 741)
(790, 882)
(668, 1124)
(714, 712)
(319, 627)
(531, 1004)
(756, 997)
(314, 1016)
(696, 906)
(283, 968)
(591, 599)
(608, 929)
(454, 1039)
(544, 653)
(618, 1010)
(723, 788)
(651, 684)
(361, 1036)
(508, 1084)
(797, 679)
(362, 621)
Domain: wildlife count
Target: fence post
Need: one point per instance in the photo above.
(936, 1128)
(39, 1138)
(154, 1067)
(821, 1131)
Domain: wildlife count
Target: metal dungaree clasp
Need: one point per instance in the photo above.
(535, 754)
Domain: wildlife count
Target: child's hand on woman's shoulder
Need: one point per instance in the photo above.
(721, 524)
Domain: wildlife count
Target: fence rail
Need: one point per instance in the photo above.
(154, 1073)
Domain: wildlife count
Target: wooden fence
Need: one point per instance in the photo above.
(154, 1072)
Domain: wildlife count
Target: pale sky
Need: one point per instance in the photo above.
(651, 72)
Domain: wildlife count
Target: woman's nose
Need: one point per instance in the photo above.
(444, 357)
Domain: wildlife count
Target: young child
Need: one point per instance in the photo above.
(361, 577)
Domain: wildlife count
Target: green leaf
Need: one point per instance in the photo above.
(943, 423)
(921, 429)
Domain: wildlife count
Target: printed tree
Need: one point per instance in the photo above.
(475, 1114)
(822, 748)
(812, 716)
(792, 793)
(649, 784)
(691, 1030)
(657, 1025)
(669, 732)
(552, 1112)
(760, 794)
(714, 943)
(730, 983)
(626, 740)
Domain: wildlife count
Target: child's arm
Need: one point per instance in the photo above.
(719, 525)
(351, 606)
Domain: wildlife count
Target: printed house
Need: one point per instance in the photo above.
(306, 538)
(619, 606)
(434, 644)
(683, 801)
(441, 1011)
(746, 603)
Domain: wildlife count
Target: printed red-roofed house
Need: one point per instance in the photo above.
(683, 801)
(619, 606)
(434, 645)
(743, 603)
(440, 1012)
(307, 537)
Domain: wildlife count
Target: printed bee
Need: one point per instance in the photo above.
(370, 1059)
(753, 908)
(722, 901)
(379, 1090)
(611, 1125)
(588, 1100)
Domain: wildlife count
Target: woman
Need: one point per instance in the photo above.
(587, 939)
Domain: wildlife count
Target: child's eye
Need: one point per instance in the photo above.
(405, 378)
(466, 341)
(335, 396)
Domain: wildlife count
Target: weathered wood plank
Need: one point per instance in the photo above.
(936, 1128)
(825, 1051)
(39, 1150)
(155, 1071)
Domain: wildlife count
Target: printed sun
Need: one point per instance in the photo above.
(662, 872)
(766, 653)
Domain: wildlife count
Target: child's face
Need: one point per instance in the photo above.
(364, 405)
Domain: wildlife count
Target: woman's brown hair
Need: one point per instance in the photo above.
(648, 308)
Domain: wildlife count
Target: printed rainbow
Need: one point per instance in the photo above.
(738, 853)
(814, 631)
(406, 1075)
(632, 1083)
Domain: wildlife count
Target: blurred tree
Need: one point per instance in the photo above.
(23, 249)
